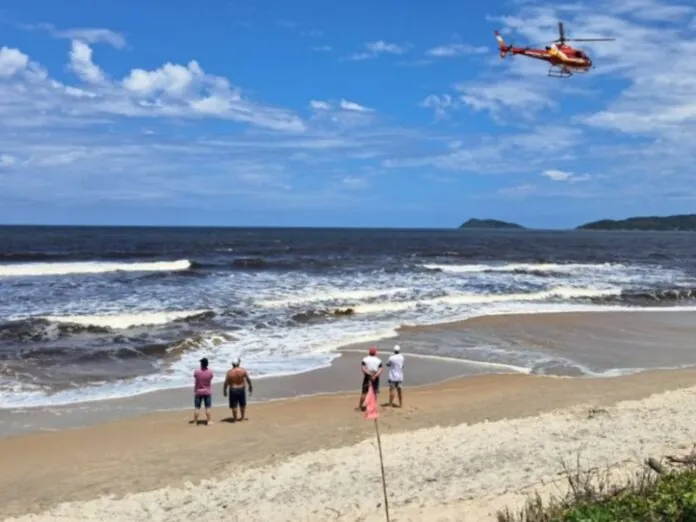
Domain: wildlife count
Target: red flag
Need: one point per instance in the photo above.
(370, 404)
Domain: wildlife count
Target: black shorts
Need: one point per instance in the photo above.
(198, 399)
(395, 385)
(237, 397)
(366, 384)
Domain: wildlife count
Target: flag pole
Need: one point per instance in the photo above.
(372, 413)
(381, 464)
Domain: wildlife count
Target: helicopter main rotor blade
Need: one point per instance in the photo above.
(591, 40)
(561, 32)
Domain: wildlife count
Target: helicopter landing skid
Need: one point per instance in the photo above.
(556, 71)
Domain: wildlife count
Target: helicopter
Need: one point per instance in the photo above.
(564, 59)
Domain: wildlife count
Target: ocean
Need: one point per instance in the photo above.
(91, 313)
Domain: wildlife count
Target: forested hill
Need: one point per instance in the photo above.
(676, 222)
(489, 223)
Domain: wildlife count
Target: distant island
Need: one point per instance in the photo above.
(489, 223)
(683, 222)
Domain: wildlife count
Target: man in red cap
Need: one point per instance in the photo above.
(372, 368)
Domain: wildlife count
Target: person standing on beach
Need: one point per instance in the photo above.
(396, 375)
(236, 380)
(202, 390)
(372, 368)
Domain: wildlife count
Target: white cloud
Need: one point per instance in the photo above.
(322, 48)
(84, 34)
(652, 10)
(81, 63)
(519, 95)
(352, 106)
(562, 175)
(343, 104)
(500, 153)
(381, 46)
(439, 104)
(455, 49)
(517, 191)
(12, 61)
(374, 49)
(171, 79)
(354, 183)
(6, 160)
(557, 175)
(30, 97)
(527, 190)
(95, 35)
(343, 115)
(319, 105)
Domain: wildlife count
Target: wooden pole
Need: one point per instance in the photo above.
(381, 464)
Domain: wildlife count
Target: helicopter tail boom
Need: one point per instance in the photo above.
(503, 48)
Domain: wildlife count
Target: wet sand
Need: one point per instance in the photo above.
(595, 342)
(342, 376)
(161, 450)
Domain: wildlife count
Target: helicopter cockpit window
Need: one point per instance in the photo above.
(579, 54)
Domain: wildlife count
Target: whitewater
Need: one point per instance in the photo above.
(157, 318)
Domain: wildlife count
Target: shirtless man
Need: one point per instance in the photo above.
(236, 380)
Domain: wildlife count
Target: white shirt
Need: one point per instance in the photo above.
(396, 367)
(372, 363)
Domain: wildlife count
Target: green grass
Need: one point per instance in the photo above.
(656, 495)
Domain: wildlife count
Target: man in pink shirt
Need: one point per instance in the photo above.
(202, 390)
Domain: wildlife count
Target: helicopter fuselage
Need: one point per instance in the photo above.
(560, 56)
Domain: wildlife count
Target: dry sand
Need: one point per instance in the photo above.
(435, 464)
(458, 451)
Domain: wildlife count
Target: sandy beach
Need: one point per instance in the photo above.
(458, 450)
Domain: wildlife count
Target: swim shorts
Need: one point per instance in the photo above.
(205, 399)
(237, 397)
(366, 384)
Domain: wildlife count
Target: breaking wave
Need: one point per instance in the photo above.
(525, 268)
(121, 321)
(95, 267)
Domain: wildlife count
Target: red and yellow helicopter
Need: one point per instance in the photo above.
(565, 60)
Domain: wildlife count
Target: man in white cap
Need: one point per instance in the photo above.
(236, 381)
(396, 374)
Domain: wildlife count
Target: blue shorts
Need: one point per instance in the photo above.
(205, 399)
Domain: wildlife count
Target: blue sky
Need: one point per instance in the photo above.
(341, 114)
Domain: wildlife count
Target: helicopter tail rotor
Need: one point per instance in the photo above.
(502, 46)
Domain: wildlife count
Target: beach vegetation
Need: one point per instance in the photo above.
(659, 492)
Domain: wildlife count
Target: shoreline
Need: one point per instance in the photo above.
(342, 375)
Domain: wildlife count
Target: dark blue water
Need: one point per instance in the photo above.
(97, 312)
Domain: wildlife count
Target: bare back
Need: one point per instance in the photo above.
(236, 378)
